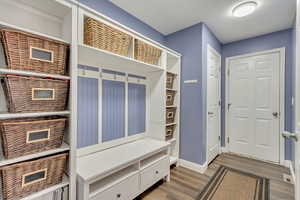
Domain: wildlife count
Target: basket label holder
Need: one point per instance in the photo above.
(34, 177)
(43, 55)
(37, 136)
(43, 94)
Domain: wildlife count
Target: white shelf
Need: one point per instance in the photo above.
(27, 73)
(38, 114)
(172, 140)
(173, 106)
(173, 160)
(171, 90)
(4, 25)
(33, 196)
(95, 57)
(3, 161)
(170, 124)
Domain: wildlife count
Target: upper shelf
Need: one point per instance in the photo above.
(92, 56)
(51, 19)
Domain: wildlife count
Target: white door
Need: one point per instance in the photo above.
(213, 103)
(253, 106)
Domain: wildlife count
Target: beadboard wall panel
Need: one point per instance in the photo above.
(113, 110)
(87, 133)
(136, 108)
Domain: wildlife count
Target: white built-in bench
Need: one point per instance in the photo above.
(123, 172)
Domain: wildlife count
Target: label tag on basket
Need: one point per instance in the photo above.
(37, 136)
(34, 177)
(43, 94)
(43, 55)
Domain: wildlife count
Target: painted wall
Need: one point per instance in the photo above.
(192, 44)
(189, 43)
(111, 10)
(262, 43)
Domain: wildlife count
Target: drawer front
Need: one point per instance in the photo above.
(121, 191)
(154, 173)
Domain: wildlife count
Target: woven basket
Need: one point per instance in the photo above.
(170, 131)
(170, 115)
(170, 97)
(29, 94)
(31, 135)
(146, 53)
(102, 36)
(170, 80)
(30, 52)
(22, 179)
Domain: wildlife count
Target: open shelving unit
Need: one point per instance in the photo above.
(56, 20)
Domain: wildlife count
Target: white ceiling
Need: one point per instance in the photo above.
(168, 16)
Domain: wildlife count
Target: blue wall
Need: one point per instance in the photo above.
(111, 10)
(262, 43)
(192, 44)
(189, 43)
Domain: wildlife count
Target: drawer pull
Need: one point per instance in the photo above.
(118, 195)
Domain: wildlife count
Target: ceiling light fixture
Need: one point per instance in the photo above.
(244, 9)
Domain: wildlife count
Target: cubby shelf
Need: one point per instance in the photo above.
(64, 183)
(170, 124)
(64, 147)
(27, 73)
(173, 106)
(171, 89)
(4, 25)
(37, 114)
(92, 56)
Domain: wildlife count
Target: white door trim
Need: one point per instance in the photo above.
(281, 51)
(210, 48)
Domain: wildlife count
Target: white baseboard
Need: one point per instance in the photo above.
(224, 150)
(289, 164)
(193, 166)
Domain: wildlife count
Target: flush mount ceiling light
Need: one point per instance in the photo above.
(244, 9)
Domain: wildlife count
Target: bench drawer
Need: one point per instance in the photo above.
(154, 173)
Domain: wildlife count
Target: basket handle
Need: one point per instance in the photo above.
(43, 94)
(34, 177)
(37, 136)
(43, 55)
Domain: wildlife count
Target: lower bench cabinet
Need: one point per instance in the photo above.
(126, 190)
(154, 173)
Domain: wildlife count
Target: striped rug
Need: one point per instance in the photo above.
(231, 184)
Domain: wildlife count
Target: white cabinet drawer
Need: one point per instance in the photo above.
(154, 173)
(121, 191)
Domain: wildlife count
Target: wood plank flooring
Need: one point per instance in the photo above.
(186, 184)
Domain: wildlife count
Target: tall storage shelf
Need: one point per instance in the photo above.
(54, 20)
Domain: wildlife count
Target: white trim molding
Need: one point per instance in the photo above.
(193, 166)
(281, 51)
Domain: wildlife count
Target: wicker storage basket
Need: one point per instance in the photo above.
(29, 52)
(102, 36)
(170, 97)
(170, 80)
(29, 94)
(22, 179)
(170, 131)
(31, 135)
(170, 115)
(146, 53)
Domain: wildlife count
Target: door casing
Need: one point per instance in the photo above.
(210, 48)
(281, 52)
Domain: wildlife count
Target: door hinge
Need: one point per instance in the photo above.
(228, 72)
(220, 103)
(228, 106)
(228, 140)
(219, 138)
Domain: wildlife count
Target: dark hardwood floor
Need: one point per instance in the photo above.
(186, 184)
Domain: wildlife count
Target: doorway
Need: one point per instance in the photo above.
(254, 105)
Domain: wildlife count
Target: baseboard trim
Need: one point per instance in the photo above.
(224, 150)
(193, 166)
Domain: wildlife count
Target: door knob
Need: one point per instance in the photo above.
(275, 114)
